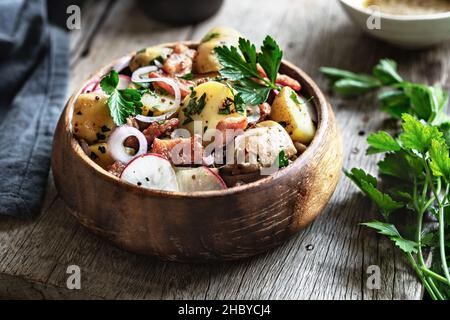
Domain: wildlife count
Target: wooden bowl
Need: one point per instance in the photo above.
(215, 225)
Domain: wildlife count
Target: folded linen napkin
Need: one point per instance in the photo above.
(33, 80)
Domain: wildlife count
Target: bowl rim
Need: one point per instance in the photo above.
(396, 17)
(321, 107)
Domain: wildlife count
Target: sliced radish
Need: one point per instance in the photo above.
(124, 82)
(90, 86)
(199, 179)
(151, 171)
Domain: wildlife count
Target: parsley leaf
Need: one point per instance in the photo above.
(440, 160)
(270, 58)
(367, 184)
(417, 135)
(395, 165)
(283, 160)
(386, 72)
(110, 82)
(251, 92)
(382, 142)
(394, 102)
(392, 233)
(122, 103)
(240, 65)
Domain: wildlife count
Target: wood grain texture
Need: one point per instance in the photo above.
(328, 260)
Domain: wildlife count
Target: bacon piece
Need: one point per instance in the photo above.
(184, 85)
(116, 168)
(287, 81)
(179, 63)
(264, 111)
(156, 129)
(231, 127)
(282, 79)
(180, 151)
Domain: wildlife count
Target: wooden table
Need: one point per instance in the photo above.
(328, 260)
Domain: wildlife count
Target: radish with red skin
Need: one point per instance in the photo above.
(151, 171)
(199, 179)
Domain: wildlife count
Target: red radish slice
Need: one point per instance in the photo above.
(199, 179)
(151, 171)
(90, 86)
(115, 143)
(124, 82)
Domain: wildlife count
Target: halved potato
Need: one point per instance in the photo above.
(92, 121)
(288, 110)
(155, 104)
(263, 144)
(145, 56)
(206, 60)
(99, 153)
(217, 95)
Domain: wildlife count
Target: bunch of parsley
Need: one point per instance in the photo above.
(240, 66)
(415, 168)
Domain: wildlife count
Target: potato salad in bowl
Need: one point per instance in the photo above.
(195, 118)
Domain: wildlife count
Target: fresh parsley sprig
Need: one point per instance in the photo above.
(240, 65)
(415, 168)
(122, 103)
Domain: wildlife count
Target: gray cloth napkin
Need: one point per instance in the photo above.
(33, 80)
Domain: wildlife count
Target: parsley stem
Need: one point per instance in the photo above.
(434, 274)
(421, 276)
(436, 290)
(442, 243)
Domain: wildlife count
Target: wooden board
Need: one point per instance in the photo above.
(328, 260)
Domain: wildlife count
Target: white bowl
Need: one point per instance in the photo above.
(408, 31)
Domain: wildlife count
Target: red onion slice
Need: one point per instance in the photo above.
(122, 64)
(141, 75)
(115, 143)
(137, 77)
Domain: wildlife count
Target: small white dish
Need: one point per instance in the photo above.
(407, 31)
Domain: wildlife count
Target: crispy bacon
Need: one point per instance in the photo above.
(156, 129)
(116, 168)
(184, 85)
(180, 151)
(179, 63)
(264, 111)
(230, 127)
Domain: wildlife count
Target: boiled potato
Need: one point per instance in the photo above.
(99, 153)
(144, 57)
(206, 60)
(92, 121)
(217, 95)
(288, 110)
(264, 143)
(155, 105)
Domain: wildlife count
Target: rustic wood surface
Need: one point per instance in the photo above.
(328, 260)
